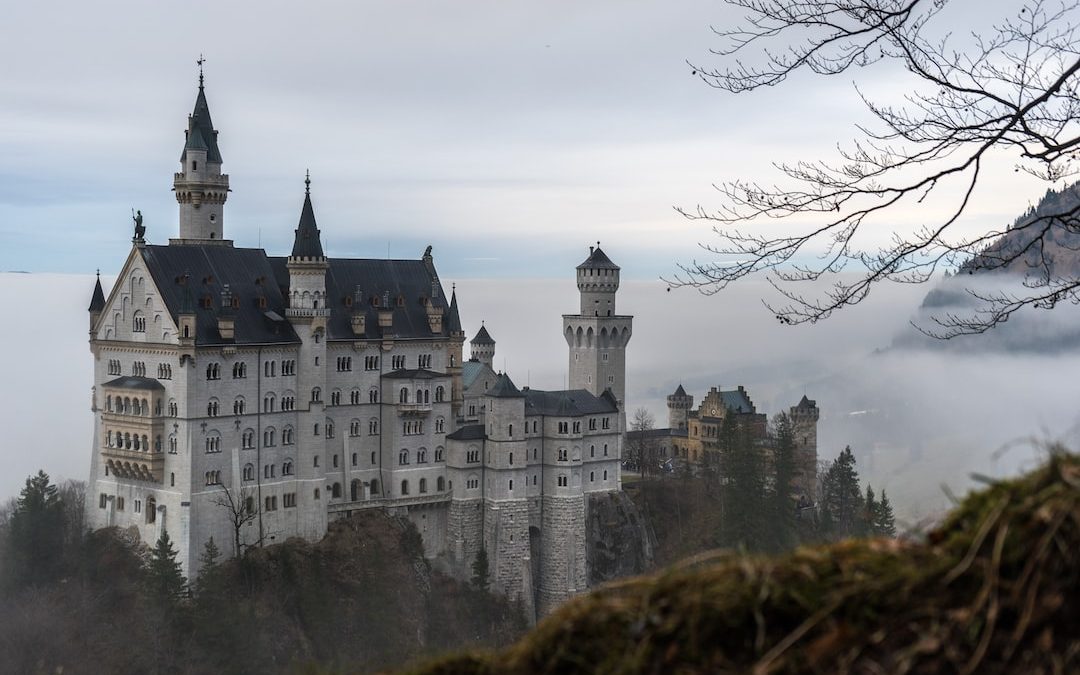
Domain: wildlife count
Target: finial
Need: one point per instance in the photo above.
(307, 182)
(200, 63)
(99, 273)
(453, 286)
(597, 243)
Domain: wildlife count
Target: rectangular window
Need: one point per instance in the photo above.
(119, 503)
(103, 500)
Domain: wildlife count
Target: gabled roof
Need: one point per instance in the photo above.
(200, 133)
(567, 403)
(97, 300)
(738, 401)
(482, 337)
(472, 371)
(504, 388)
(597, 260)
(250, 277)
(133, 382)
(307, 243)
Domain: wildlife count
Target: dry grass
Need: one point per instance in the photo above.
(996, 589)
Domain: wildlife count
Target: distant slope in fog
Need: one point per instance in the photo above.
(1056, 254)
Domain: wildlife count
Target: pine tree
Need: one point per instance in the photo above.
(868, 525)
(208, 559)
(743, 486)
(782, 511)
(36, 534)
(163, 577)
(481, 578)
(884, 522)
(841, 499)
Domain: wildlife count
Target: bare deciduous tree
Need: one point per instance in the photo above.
(242, 508)
(1009, 96)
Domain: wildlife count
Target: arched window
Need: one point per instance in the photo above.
(403, 395)
(419, 396)
(374, 486)
(238, 406)
(421, 456)
(151, 510)
(404, 487)
(335, 491)
(354, 490)
(423, 485)
(287, 467)
(268, 437)
(249, 472)
(510, 431)
(316, 395)
(427, 395)
(439, 394)
(440, 484)
(373, 395)
(373, 426)
(440, 454)
(403, 457)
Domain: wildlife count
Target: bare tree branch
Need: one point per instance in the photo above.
(1009, 97)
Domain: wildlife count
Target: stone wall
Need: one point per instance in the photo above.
(619, 541)
(562, 549)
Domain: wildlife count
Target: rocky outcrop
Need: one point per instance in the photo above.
(619, 542)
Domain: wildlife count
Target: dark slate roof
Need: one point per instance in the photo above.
(680, 391)
(566, 403)
(597, 260)
(453, 322)
(469, 432)
(409, 279)
(248, 273)
(504, 388)
(97, 301)
(307, 243)
(482, 337)
(201, 134)
(737, 400)
(413, 374)
(806, 403)
(132, 382)
(654, 433)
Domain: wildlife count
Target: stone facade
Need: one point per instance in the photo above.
(293, 390)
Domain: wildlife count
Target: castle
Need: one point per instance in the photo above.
(693, 436)
(251, 398)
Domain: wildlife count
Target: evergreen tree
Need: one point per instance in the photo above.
(743, 486)
(782, 498)
(841, 500)
(208, 559)
(208, 568)
(36, 534)
(884, 522)
(481, 578)
(163, 577)
(867, 527)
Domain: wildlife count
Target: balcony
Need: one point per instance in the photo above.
(414, 408)
(134, 464)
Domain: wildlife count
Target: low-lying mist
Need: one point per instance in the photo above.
(919, 417)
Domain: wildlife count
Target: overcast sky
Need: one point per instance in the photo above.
(509, 135)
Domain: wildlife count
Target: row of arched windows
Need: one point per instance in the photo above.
(422, 395)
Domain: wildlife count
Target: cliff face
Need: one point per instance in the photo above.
(619, 542)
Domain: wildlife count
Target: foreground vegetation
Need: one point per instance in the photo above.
(103, 602)
(992, 590)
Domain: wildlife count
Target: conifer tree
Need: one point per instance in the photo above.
(868, 525)
(36, 533)
(841, 500)
(163, 577)
(884, 522)
(481, 578)
(743, 486)
(782, 511)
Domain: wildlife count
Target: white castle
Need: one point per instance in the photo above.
(241, 395)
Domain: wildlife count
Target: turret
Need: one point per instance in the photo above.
(482, 347)
(804, 422)
(307, 264)
(597, 281)
(679, 405)
(201, 189)
(97, 304)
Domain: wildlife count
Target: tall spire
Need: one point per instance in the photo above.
(307, 243)
(201, 189)
(454, 320)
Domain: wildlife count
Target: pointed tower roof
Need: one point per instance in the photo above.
(201, 134)
(482, 337)
(504, 388)
(97, 300)
(597, 260)
(454, 320)
(680, 391)
(307, 243)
